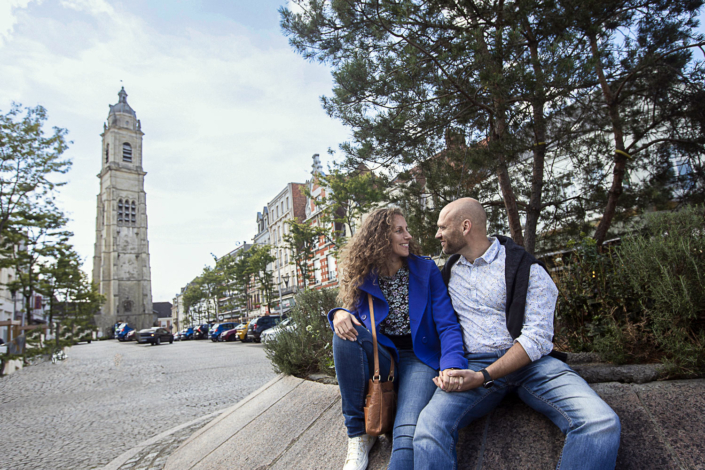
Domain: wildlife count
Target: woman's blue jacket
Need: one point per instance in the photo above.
(435, 332)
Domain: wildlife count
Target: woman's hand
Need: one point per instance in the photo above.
(344, 325)
(458, 380)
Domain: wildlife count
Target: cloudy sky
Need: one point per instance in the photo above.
(230, 112)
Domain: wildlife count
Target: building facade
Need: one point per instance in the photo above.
(289, 204)
(121, 267)
(324, 265)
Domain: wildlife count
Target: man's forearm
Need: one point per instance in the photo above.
(513, 360)
(459, 380)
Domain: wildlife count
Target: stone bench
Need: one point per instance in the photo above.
(292, 423)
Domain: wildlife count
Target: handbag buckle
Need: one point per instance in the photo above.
(376, 378)
(390, 378)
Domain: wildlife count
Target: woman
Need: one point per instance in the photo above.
(415, 324)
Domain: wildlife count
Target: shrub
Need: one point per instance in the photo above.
(307, 347)
(642, 301)
(593, 302)
(665, 266)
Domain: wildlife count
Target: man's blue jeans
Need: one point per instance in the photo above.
(549, 386)
(354, 362)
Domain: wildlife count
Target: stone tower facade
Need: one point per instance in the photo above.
(121, 260)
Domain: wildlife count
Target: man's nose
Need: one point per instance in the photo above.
(438, 233)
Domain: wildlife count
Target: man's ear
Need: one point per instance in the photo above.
(467, 226)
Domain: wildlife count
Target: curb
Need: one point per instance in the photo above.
(116, 463)
(127, 455)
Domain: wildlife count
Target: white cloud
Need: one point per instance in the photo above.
(89, 6)
(8, 17)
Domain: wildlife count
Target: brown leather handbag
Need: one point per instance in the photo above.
(381, 400)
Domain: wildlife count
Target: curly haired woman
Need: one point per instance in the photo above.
(416, 325)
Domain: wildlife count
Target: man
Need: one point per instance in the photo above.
(505, 302)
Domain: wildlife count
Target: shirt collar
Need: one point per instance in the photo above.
(487, 257)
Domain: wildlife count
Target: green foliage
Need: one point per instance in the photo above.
(29, 163)
(303, 240)
(260, 257)
(73, 300)
(307, 347)
(539, 94)
(666, 268)
(351, 195)
(596, 309)
(642, 301)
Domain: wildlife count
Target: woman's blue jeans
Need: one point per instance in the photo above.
(354, 362)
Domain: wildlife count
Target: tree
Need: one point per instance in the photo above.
(242, 276)
(73, 299)
(31, 239)
(260, 256)
(409, 72)
(302, 240)
(651, 91)
(517, 80)
(28, 161)
(351, 195)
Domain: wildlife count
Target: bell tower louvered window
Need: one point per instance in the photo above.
(120, 211)
(133, 213)
(126, 153)
(107, 153)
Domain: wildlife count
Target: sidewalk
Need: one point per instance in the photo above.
(292, 423)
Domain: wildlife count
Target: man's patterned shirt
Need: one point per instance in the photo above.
(479, 294)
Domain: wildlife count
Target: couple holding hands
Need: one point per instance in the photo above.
(461, 340)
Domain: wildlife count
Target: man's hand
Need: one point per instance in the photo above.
(458, 380)
(343, 324)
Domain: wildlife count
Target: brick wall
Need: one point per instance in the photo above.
(299, 201)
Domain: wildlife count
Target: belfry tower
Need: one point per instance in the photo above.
(121, 260)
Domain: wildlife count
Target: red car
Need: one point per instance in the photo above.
(230, 335)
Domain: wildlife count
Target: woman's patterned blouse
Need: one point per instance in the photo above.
(396, 291)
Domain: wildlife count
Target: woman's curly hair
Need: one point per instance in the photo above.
(367, 251)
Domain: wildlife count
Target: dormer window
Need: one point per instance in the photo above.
(107, 153)
(126, 153)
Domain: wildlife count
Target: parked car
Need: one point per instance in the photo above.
(220, 328)
(201, 331)
(241, 332)
(177, 336)
(130, 336)
(155, 336)
(230, 335)
(187, 334)
(122, 332)
(259, 325)
(272, 333)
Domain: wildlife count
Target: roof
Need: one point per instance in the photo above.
(122, 106)
(162, 309)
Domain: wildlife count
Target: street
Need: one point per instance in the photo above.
(108, 397)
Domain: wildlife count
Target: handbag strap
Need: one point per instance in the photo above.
(376, 377)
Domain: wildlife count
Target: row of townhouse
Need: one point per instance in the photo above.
(290, 203)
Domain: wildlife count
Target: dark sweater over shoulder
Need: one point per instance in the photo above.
(517, 269)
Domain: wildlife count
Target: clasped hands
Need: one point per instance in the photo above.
(458, 380)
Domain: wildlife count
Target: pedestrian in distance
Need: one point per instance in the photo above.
(505, 301)
(415, 325)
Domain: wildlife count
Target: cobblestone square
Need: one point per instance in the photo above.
(108, 397)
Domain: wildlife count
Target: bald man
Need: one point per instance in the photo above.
(505, 301)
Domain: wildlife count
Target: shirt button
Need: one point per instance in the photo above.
(423, 339)
(364, 317)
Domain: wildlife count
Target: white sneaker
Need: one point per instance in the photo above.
(358, 450)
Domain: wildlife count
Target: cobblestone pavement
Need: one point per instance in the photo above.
(108, 397)
(153, 457)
